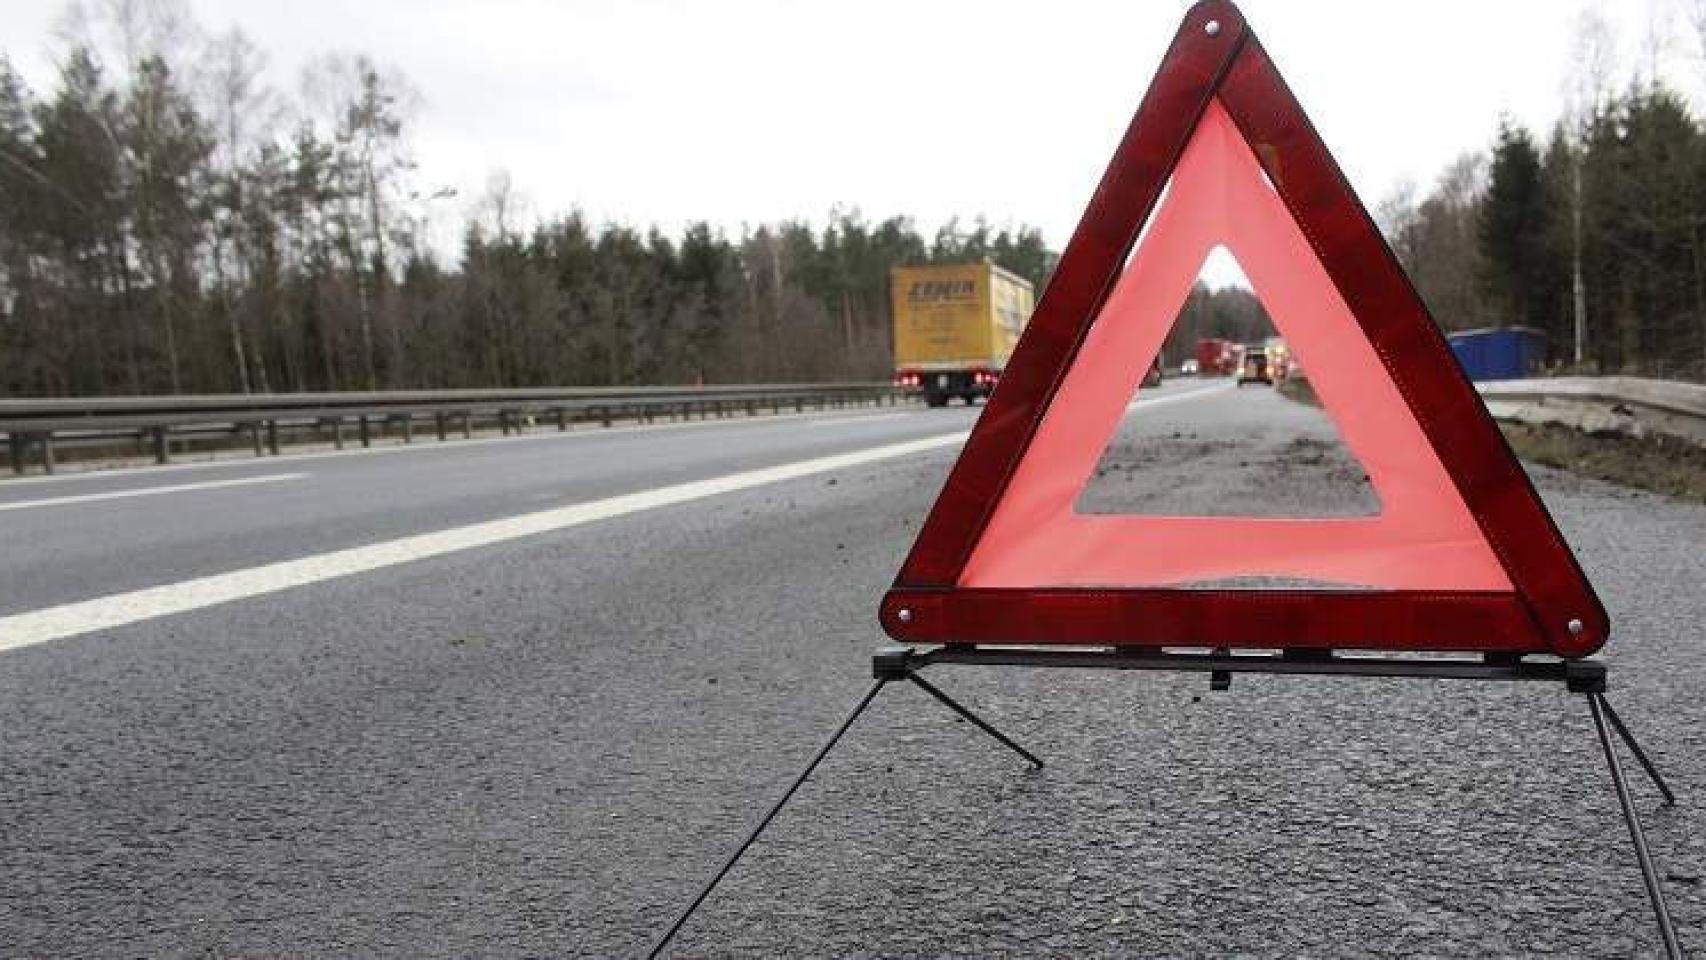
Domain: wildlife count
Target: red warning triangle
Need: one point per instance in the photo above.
(1462, 556)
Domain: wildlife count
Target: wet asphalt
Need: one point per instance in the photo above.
(541, 748)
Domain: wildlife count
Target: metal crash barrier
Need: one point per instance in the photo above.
(33, 428)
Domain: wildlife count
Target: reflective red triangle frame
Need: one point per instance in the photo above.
(1552, 609)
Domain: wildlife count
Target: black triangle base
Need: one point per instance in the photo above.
(1587, 677)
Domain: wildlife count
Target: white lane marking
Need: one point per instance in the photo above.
(149, 491)
(1156, 400)
(102, 613)
(544, 432)
(864, 418)
(72, 619)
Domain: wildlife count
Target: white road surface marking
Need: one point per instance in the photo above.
(149, 491)
(103, 613)
(861, 418)
(1156, 400)
(72, 619)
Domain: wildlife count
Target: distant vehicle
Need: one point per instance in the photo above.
(1507, 353)
(955, 325)
(1217, 357)
(1280, 359)
(1188, 368)
(1255, 368)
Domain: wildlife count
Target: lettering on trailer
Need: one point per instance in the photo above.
(942, 290)
(1463, 555)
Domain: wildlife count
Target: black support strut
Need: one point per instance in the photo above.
(1586, 677)
(1650, 876)
(896, 666)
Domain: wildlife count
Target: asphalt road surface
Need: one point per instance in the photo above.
(519, 698)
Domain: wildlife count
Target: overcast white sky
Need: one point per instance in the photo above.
(744, 111)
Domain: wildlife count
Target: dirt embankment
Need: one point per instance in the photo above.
(1656, 462)
(1659, 463)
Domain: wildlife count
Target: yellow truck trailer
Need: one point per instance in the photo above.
(955, 326)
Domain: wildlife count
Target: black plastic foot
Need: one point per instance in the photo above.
(1584, 676)
(893, 663)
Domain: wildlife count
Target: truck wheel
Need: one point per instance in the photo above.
(935, 400)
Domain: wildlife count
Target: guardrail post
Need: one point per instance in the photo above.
(255, 437)
(46, 451)
(366, 431)
(162, 449)
(16, 442)
(438, 424)
(272, 437)
(562, 419)
(337, 433)
(604, 416)
(408, 428)
(503, 421)
(467, 425)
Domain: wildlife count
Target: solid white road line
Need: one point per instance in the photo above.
(1161, 399)
(861, 418)
(149, 491)
(87, 616)
(72, 619)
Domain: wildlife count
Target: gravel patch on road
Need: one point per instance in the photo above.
(1285, 460)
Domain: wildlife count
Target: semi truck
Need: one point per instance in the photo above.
(1217, 357)
(955, 325)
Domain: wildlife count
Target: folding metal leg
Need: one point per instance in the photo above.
(1635, 748)
(893, 664)
(775, 808)
(1655, 893)
(974, 718)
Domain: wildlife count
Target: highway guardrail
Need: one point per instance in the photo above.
(158, 423)
(1617, 404)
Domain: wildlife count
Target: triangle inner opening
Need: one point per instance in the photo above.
(1423, 538)
(1255, 446)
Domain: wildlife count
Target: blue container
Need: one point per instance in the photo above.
(1506, 353)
